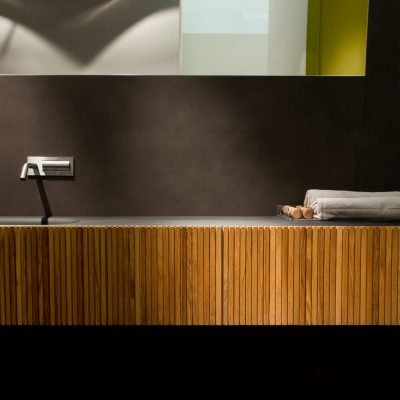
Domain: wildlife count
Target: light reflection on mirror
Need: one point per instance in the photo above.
(190, 37)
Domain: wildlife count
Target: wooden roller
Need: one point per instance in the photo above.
(307, 212)
(294, 212)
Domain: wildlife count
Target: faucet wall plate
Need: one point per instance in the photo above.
(51, 166)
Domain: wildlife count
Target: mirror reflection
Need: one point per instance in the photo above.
(189, 37)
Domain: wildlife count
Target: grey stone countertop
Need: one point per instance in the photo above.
(186, 221)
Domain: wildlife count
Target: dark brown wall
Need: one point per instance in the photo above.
(202, 145)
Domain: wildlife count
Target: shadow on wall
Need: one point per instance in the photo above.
(83, 30)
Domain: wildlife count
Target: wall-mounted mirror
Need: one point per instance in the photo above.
(189, 37)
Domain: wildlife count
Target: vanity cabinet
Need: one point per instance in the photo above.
(149, 275)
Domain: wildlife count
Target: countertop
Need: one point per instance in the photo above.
(186, 221)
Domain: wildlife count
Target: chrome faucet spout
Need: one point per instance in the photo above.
(24, 171)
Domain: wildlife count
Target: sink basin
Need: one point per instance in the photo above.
(21, 220)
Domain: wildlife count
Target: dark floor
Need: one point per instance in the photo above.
(345, 362)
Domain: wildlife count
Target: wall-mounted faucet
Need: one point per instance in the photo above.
(43, 167)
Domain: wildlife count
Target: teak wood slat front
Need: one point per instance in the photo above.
(199, 275)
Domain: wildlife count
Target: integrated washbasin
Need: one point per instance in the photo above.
(20, 220)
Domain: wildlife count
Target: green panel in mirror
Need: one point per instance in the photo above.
(189, 37)
(337, 37)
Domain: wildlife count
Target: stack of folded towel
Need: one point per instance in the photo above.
(340, 204)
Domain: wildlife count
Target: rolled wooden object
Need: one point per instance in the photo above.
(294, 212)
(307, 212)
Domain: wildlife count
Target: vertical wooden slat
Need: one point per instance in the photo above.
(195, 276)
(225, 275)
(375, 277)
(189, 276)
(248, 276)
(23, 260)
(19, 270)
(144, 311)
(79, 271)
(52, 297)
(110, 271)
(290, 285)
(260, 273)
(30, 265)
(240, 250)
(74, 276)
(339, 269)
(395, 264)
(351, 276)
(303, 276)
(278, 276)
(267, 246)
(178, 274)
(2, 281)
(327, 274)
(321, 276)
(86, 294)
(206, 271)
(357, 277)
(213, 277)
(184, 272)
(92, 273)
(139, 294)
(231, 244)
(345, 277)
(103, 276)
(284, 275)
(35, 281)
(200, 276)
(5, 254)
(239, 288)
(133, 275)
(363, 289)
(388, 277)
(166, 267)
(382, 275)
(332, 278)
(160, 275)
(314, 276)
(114, 266)
(254, 275)
(296, 277)
(125, 274)
(121, 270)
(154, 277)
(172, 276)
(219, 264)
(68, 274)
(370, 274)
(57, 277)
(13, 271)
(63, 276)
(309, 268)
(398, 276)
(272, 276)
(148, 277)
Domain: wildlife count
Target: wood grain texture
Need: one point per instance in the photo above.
(241, 278)
(332, 275)
(199, 275)
(395, 266)
(219, 263)
(260, 272)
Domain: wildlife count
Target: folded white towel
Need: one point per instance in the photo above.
(380, 208)
(313, 195)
